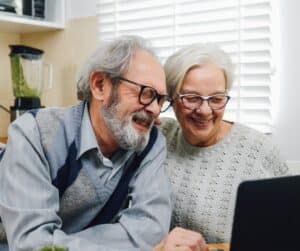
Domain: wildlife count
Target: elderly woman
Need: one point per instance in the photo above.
(208, 156)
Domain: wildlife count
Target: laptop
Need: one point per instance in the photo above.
(267, 215)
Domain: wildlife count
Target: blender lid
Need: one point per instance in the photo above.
(26, 51)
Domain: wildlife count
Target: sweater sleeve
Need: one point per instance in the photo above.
(272, 159)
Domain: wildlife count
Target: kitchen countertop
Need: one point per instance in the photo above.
(3, 140)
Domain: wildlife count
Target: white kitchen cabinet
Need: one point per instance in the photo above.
(54, 19)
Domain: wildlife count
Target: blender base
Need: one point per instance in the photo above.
(22, 105)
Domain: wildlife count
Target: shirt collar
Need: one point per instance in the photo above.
(87, 136)
(89, 142)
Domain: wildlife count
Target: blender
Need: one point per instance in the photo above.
(29, 77)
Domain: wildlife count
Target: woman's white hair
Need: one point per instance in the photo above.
(112, 58)
(178, 64)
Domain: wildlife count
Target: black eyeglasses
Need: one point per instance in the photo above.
(148, 94)
(194, 101)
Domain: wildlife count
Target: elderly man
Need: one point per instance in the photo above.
(89, 177)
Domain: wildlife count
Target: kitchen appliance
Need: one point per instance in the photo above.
(30, 75)
(34, 8)
(8, 6)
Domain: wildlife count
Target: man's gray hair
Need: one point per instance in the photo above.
(112, 58)
(178, 64)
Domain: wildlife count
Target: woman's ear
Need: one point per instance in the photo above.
(98, 85)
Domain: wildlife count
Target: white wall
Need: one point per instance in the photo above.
(80, 8)
(286, 132)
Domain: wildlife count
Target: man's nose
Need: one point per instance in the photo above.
(153, 107)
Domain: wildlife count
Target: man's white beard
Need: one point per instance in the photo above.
(123, 131)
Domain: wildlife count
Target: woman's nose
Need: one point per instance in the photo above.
(204, 108)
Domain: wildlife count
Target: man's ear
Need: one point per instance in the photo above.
(98, 85)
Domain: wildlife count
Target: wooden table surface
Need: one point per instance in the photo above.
(224, 246)
(3, 140)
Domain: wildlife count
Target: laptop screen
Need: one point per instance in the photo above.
(267, 215)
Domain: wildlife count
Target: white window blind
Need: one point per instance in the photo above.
(243, 28)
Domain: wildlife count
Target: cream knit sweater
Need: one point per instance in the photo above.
(205, 179)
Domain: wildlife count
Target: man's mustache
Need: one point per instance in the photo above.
(143, 117)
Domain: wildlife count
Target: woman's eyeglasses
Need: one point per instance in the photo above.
(194, 101)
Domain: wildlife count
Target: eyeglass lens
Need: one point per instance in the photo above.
(148, 94)
(215, 102)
